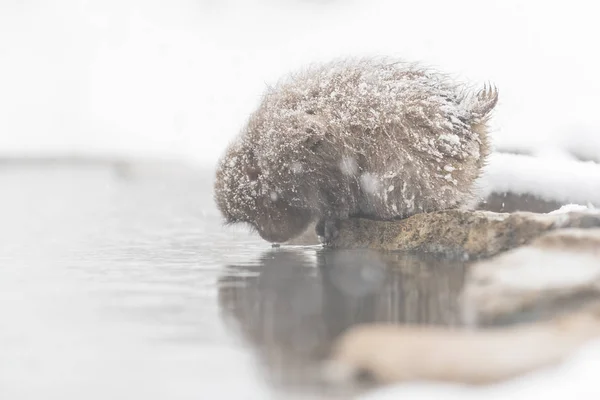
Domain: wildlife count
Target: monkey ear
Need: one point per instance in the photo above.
(253, 173)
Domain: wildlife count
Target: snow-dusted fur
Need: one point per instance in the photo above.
(372, 138)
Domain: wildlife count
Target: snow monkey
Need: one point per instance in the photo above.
(371, 138)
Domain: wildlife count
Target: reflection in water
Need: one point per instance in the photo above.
(293, 303)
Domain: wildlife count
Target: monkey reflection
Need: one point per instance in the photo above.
(293, 303)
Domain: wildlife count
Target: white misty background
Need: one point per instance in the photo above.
(178, 78)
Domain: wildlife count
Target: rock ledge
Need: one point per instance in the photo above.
(471, 234)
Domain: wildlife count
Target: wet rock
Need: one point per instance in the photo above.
(392, 353)
(556, 272)
(471, 234)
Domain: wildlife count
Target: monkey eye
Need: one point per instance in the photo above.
(252, 173)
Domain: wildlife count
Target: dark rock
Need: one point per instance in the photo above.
(512, 202)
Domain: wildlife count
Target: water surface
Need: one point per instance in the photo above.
(119, 281)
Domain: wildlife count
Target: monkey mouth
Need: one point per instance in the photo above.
(273, 235)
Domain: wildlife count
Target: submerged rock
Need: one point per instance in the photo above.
(560, 270)
(471, 234)
(391, 353)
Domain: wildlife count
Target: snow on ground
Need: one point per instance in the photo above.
(573, 207)
(557, 178)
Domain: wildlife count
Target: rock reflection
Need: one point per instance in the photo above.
(292, 303)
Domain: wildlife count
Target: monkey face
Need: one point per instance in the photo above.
(243, 196)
